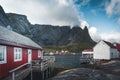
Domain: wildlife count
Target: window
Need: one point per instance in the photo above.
(39, 53)
(17, 54)
(2, 54)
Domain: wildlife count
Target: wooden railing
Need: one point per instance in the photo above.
(47, 61)
(16, 75)
(86, 60)
(22, 71)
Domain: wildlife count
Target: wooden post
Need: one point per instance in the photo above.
(13, 76)
(49, 72)
(31, 71)
(46, 73)
(42, 75)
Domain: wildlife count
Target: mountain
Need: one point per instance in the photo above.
(19, 23)
(4, 21)
(48, 36)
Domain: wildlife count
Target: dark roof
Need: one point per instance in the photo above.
(15, 38)
(109, 44)
(87, 50)
(118, 47)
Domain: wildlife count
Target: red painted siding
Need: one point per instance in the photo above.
(35, 55)
(5, 68)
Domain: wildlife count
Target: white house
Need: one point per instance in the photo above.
(105, 50)
(87, 53)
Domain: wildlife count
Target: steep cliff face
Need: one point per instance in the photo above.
(4, 21)
(59, 35)
(46, 35)
(19, 23)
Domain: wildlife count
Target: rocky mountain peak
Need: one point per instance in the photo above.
(47, 35)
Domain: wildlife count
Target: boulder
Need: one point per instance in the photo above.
(84, 74)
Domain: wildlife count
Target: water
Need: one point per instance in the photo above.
(67, 61)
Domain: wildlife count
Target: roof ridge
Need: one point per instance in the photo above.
(109, 44)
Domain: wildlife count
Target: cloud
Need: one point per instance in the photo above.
(81, 2)
(83, 24)
(111, 36)
(55, 12)
(94, 34)
(85, 2)
(113, 8)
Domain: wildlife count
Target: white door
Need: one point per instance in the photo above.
(29, 55)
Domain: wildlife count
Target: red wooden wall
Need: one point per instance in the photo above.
(5, 68)
(35, 55)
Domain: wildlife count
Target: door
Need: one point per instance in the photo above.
(29, 55)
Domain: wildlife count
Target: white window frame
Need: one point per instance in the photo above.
(17, 51)
(40, 54)
(5, 56)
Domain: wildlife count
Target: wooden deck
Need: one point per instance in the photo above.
(24, 70)
(47, 62)
(86, 60)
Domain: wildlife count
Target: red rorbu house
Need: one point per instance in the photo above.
(87, 53)
(16, 50)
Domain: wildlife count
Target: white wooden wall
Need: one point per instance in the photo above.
(103, 51)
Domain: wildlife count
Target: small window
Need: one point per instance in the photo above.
(39, 53)
(2, 54)
(17, 54)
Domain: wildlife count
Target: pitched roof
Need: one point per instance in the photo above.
(109, 44)
(118, 47)
(87, 50)
(15, 38)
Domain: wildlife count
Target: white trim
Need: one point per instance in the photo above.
(39, 53)
(19, 53)
(5, 55)
(87, 52)
(29, 56)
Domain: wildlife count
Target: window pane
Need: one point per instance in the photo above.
(2, 54)
(18, 54)
(39, 53)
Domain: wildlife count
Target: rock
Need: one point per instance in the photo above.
(112, 66)
(84, 74)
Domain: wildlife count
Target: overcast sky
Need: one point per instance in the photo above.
(101, 16)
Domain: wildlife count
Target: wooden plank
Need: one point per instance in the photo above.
(13, 70)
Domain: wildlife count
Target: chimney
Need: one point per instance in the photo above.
(115, 44)
(9, 27)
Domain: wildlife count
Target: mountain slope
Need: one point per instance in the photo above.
(19, 23)
(48, 36)
(4, 21)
